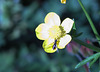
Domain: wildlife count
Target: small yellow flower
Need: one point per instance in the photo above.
(54, 34)
(63, 1)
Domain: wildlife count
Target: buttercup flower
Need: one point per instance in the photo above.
(54, 34)
(63, 1)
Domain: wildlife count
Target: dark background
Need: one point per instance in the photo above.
(21, 51)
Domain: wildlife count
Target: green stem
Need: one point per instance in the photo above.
(91, 24)
(90, 21)
(94, 48)
(99, 64)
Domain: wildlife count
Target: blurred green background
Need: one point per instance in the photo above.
(21, 51)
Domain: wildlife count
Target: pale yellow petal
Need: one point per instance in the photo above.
(63, 1)
(67, 24)
(48, 43)
(64, 41)
(48, 46)
(50, 50)
(42, 32)
(52, 19)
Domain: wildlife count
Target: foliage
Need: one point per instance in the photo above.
(21, 51)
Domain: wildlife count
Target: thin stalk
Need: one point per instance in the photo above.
(99, 64)
(92, 25)
(94, 48)
(90, 21)
(85, 66)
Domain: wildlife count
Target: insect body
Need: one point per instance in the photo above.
(54, 46)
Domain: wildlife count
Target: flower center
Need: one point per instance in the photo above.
(56, 32)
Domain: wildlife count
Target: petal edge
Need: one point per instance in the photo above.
(48, 46)
(52, 19)
(67, 24)
(64, 41)
(42, 32)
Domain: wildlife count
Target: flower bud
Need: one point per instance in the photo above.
(63, 1)
(86, 51)
(73, 47)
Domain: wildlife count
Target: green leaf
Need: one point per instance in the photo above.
(77, 35)
(95, 59)
(74, 34)
(94, 48)
(86, 60)
(74, 27)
